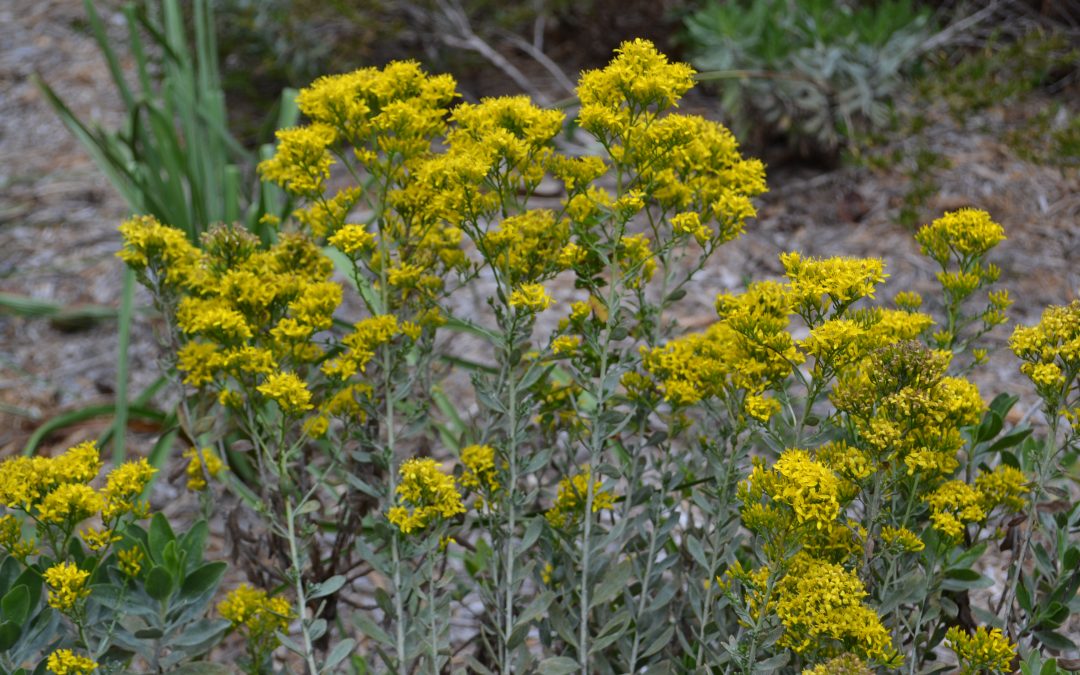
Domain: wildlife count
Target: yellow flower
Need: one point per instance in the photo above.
(690, 223)
(1004, 486)
(480, 472)
(531, 298)
(97, 540)
(67, 586)
(565, 345)
(967, 234)
(259, 615)
(902, 538)
(953, 505)
(67, 662)
(572, 495)
(288, 391)
(196, 478)
(70, 503)
(840, 281)
(820, 603)
(981, 651)
(353, 238)
(301, 162)
(424, 495)
(130, 561)
(123, 487)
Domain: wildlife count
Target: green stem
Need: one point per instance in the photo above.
(301, 598)
(511, 451)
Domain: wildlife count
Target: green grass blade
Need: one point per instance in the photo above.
(127, 305)
(85, 414)
(102, 39)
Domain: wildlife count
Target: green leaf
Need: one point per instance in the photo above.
(558, 665)
(1055, 640)
(194, 541)
(338, 654)
(161, 534)
(1009, 440)
(9, 635)
(16, 604)
(964, 579)
(31, 579)
(204, 579)
(614, 583)
(328, 587)
(159, 583)
(203, 668)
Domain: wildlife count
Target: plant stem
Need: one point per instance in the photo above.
(301, 599)
(511, 451)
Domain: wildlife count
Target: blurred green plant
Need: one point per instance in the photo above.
(174, 157)
(818, 71)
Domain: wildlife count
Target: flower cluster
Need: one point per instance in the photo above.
(56, 492)
(67, 586)
(67, 662)
(196, 475)
(982, 650)
(569, 506)
(259, 616)
(425, 495)
(1050, 351)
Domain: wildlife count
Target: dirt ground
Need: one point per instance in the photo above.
(58, 238)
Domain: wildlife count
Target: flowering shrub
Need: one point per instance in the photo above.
(809, 484)
(84, 586)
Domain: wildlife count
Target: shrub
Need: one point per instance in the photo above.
(809, 483)
(820, 72)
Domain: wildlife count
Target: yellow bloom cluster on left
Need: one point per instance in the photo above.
(56, 490)
(425, 495)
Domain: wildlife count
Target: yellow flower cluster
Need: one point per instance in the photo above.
(953, 505)
(902, 539)
(288, 391)
(905, 409)
(67, 586)
(797, 481)
(966, 234)
(1051, 351)
(11, 538)
(526, 247)
(67, 662)
(820, 285)
(845, 664)
(749, 349)
(425, 495)
(130, 561)
(56, 492)
(569, 506)
(982, 650)
(820, 606)
(1005, 486)
(480, 471)
(531, 298)
(196, 478)
(259, 615)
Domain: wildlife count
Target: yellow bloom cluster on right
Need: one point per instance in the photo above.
(982, 650)
(196, 479)
(259, 615)
(1051, 353)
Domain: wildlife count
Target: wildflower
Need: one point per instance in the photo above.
(288, 391)
(424, 495)
(130, 561)
(67, 662)
(902, 538)
(982, 650)
(97, 540)
(124, 485)
(689, 222)
(480, 472)
(953, 505)
(11, 539)
(572, 494)
(820, 603)
(636, 259)
(360, 345)
(807, 486)
(565, 345)
(571, 255)
(967, 234)
(845, 664)
(528, 246)
(351, 239)
(531, 298)
(301, 163)
(840, 281)
(259, 615)
(70, 503)
(1004, 486)
(196, 478)
(79, 464)
(67, 586)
